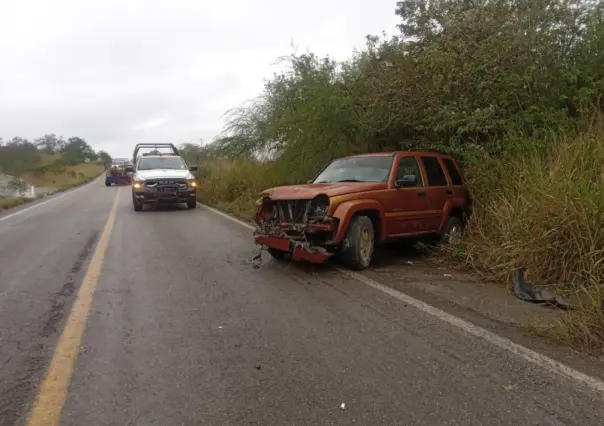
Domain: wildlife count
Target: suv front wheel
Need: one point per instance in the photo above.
(358, 245)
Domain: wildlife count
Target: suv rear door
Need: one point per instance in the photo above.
(455, 178)
(437, 188)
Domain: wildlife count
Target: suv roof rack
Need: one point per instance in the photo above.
(154, 145)
(434, 151)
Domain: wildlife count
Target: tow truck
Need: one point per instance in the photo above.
(116, 173)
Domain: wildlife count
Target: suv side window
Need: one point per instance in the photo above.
(434, 172)
(409, 166)
(453, 172)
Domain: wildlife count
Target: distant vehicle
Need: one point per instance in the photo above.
(360, 201)
(162, 178)
(116, 174)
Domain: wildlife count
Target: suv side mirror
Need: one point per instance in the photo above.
(193, 169)
(407, 181)
(310, 181)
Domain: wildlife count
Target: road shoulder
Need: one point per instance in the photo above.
(460, 294)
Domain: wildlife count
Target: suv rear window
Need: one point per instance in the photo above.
(435, 173)
(453, 172)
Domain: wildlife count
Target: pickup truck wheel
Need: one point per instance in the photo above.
(358, 244)
(453, 230)
(136, 205)
(107, 183)
(278, 254)
(192, 204)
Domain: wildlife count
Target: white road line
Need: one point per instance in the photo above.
(501, 342)
(54, 198)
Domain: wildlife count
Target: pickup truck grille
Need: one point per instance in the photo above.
(292, 211)
(166, 183)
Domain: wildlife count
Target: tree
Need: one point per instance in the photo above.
(104, 157)
(77, 150)
(17, 155)
(49, 143)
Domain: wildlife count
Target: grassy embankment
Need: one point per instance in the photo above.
(513, 90)
(53, 175)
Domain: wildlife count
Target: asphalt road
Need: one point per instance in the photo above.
(182, 330)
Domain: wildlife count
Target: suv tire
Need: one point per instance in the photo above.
(278, 254)
(357, 247)
(453, 228)
(191, 204)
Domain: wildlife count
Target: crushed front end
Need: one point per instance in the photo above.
(299, 227)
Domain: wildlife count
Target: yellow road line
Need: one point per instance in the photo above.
(46, 410)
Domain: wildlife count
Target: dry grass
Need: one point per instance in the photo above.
(234, 186)
(546, 212)
(55, 179)
(9, 202)
(65, 177)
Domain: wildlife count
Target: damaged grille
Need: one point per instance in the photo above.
(293, 211)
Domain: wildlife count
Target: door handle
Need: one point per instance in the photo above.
(421, 193)
(449, 192)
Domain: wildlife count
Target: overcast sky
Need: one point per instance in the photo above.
(119, 72)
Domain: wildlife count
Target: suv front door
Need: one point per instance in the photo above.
(409, 201)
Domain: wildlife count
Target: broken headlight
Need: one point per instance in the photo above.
(319, 206)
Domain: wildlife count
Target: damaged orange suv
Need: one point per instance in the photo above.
(360, 201)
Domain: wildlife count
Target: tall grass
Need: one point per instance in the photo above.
(234, 185)
(544, 209)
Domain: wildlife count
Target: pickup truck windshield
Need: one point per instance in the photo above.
(357, 169)
(171, 163)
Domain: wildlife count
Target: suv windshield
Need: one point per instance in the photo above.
(357, 169)
(172, 163)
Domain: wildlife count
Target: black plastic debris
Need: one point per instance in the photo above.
(528, 292)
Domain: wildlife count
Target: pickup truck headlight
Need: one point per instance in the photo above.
(137, 183)
(192, 183)
(319, 206)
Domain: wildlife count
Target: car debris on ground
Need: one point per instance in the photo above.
(528, 292)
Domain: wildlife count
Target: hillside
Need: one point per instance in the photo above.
(512, 89)
(49, 165)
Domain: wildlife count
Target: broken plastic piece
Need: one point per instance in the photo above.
(528, 292)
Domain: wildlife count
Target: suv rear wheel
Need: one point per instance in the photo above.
(358, 245)
(452, 231)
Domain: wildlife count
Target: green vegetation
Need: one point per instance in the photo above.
(9, 202)
(512, 89)
(50, 163)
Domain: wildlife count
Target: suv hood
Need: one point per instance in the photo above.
(309, 191)
(164, 173)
